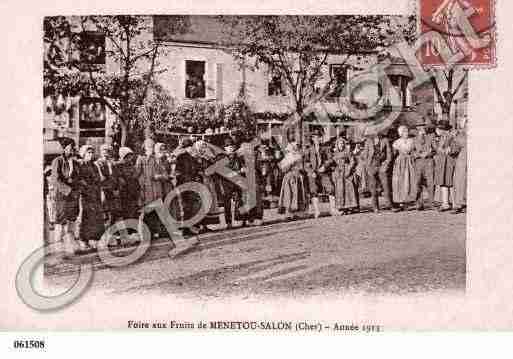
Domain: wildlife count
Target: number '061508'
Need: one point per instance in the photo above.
(29, 344)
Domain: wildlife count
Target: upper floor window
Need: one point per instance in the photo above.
(338, 77)
(275, 86)
(92, 48)
(194, 79)
(91, 113)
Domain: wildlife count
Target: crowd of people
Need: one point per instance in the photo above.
(89, 192)
(404, 171)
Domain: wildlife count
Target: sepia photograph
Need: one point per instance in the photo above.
(322, 166)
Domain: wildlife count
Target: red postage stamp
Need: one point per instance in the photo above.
(463, 28)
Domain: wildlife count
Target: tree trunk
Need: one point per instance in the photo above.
(299, 132)
(124, 133)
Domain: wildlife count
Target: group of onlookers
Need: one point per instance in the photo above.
(96, 191)
(343, 170)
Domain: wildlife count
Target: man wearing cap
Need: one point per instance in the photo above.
(377, 157)
(424, 150)
(186, 170)
(230, 191)
(109, 184)
(65, 187)
(319, 178)
(460, 168)
(444, 162)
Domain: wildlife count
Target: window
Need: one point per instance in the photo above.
(401, 84)
(92, 48)
(338, 76)
(194, 79)
(275, 85)
(92, 113)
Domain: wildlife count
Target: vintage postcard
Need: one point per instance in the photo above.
(323, 170)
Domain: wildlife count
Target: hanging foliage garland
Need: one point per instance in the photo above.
(201, 117)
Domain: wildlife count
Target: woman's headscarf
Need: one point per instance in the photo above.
(149, 143)
(123, 152)
(402, 129)
(341, 140)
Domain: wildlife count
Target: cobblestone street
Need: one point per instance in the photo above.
(396, 253)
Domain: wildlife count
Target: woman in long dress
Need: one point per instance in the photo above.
(294, 199)
(361, 171)
(403, 177)
(151, 188)
(343, 175)
(64, 189)
(129, 188)
(92, 224)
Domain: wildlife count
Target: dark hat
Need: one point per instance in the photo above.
(65, 141)
(443, 125)
(421, 124)
(229, 142)
(186, 142)
(317, 132)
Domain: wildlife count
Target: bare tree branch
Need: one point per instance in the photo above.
(100, 93)
(151, 73)
(463, 78)
(146, 53)
(439, 95)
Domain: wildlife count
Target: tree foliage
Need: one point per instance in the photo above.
(128, 49)
(297, 47)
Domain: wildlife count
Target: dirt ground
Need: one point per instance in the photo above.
(396, 253)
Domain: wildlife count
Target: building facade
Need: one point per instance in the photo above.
(197, 66)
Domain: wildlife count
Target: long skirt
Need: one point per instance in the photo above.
(444, 170)
(92, 225)
(66, 208)
(212, 216)
(294, 193)
(403, 179)
(346, 191)
(256, 212)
